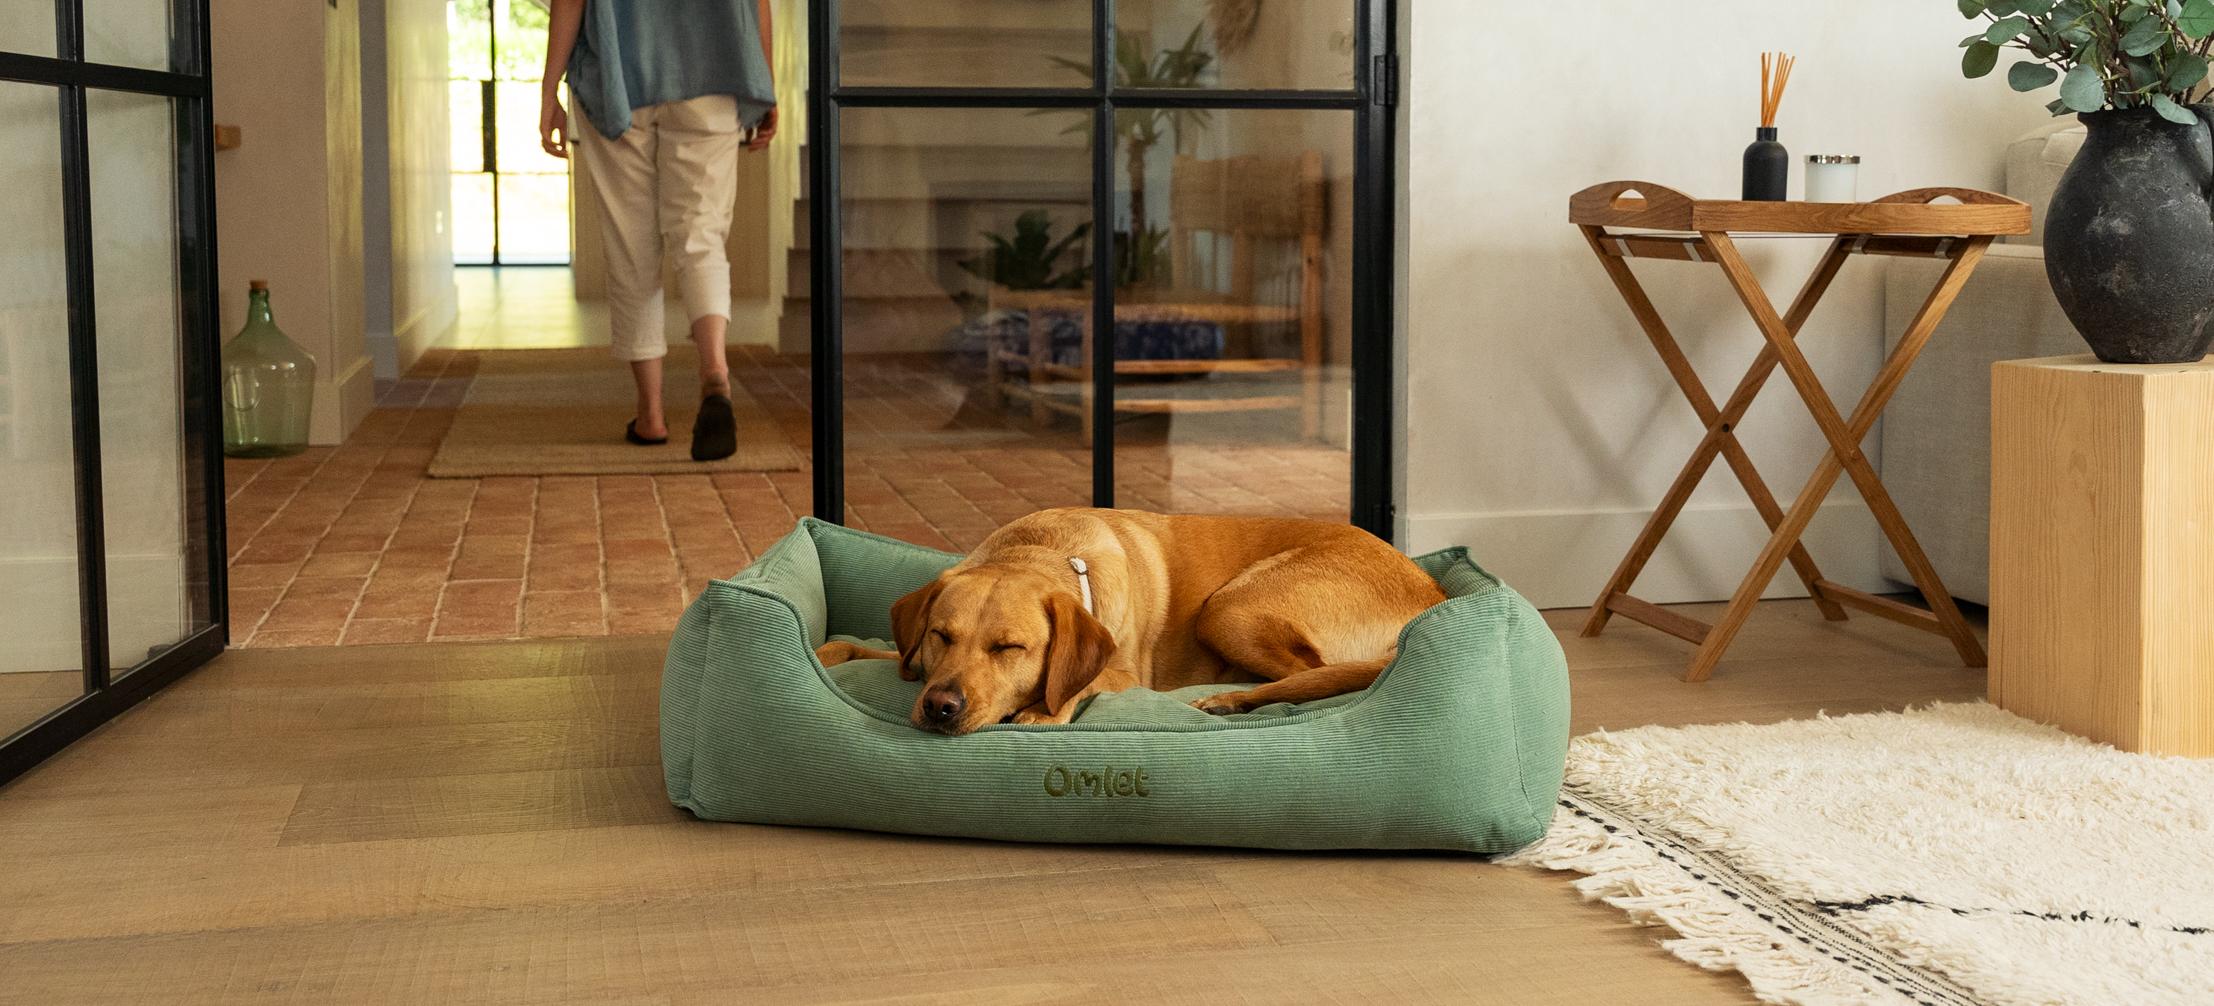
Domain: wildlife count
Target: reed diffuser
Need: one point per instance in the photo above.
(1767, 164)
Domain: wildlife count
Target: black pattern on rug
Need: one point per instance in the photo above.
(1815, 925)
(1907, 899)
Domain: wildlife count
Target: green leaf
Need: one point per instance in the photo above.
(2197, 19)
(2143, 38)
(2134, 13)
(1970, 40)
(2186, 74)
(2001, 8)
(2171, 111)
(1970, 8)
(2082, 90)
(2057, 107)
(1978, 60)
(2144, 74)
(2028, 76)
(2035, 8)
(2004, 31)
(2075, 33)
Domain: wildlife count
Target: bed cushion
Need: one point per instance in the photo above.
(1458, 745)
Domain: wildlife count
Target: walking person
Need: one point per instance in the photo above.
(669, 91)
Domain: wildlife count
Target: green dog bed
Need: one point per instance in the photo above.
(1458, 745)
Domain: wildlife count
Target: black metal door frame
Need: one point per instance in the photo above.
(187, 84)
(1372, 101)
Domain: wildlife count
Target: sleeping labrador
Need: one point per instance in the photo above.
(1063, 604)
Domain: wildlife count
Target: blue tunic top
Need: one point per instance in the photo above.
(634, 53)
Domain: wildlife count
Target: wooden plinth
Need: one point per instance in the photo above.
(2102, 550)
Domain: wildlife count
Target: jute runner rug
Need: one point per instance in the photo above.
(562, 412)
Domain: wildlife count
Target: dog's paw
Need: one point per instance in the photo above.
(1035, 716)
(1225, 704)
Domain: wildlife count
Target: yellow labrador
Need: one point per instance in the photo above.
(1063, 604)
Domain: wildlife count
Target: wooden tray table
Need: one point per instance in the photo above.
(1905, 223)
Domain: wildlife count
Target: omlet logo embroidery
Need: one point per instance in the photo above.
(1061, 780)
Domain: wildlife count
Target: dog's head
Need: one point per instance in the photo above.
(992, 640)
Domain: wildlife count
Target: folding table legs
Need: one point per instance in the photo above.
(1843, 457)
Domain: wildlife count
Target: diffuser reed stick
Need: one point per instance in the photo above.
(1767, 164)
(1774, 67)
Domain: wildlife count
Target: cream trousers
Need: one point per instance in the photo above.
(668, 182)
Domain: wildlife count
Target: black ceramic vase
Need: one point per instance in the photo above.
(2129, 241)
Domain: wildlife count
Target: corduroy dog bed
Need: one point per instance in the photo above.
(1458, 745)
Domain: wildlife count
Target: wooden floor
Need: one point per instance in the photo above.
(484, 822)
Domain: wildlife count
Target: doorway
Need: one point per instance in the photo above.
(510, 198)
(1100, 252)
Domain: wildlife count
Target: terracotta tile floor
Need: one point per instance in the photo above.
(356, 544)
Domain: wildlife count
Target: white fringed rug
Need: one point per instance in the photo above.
(1949, 855)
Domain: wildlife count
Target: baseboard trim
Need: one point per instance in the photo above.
(1562, 558)
(427, 328)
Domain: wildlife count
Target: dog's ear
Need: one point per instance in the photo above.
(910, 620)
(1078, 650)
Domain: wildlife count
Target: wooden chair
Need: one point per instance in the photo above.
(1247, 200)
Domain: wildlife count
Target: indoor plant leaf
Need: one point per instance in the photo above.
(2082, 90)
(2186, 74)
(2005, 30)
(1979, 59)
(2144, 37)
(2197, 19)
(1970, 8)
(2171, 111)
(2028, 76)
(2057, 107)
(2035, 8)
(2001, 8)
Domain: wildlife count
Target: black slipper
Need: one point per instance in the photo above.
(630, 433)
(715, 432)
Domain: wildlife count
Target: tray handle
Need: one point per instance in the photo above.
(1968, 196)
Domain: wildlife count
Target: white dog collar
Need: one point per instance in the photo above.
(1083, 580)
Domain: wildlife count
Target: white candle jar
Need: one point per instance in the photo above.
(1831, 178)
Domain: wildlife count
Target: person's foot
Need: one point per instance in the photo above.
(715, 432)
(630, 433)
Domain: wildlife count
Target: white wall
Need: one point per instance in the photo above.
(288, 199)
(419, 159)
(1541, 427)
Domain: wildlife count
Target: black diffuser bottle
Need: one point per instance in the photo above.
(1767, 167)
(1767, 164)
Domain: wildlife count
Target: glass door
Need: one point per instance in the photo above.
(511, 198)
(1099, 252)
(110, 513)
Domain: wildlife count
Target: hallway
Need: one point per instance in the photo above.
(356, 544)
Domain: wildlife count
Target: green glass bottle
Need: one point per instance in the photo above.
(268, 386)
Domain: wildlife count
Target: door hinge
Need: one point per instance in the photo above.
(1383, 87)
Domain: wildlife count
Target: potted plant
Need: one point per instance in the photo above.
(2129, 239)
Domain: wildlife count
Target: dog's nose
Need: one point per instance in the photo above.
(941, 705)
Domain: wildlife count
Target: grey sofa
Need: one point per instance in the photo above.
(1936, 436)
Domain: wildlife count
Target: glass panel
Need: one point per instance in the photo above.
(156, 569)
(41, 656)
(473, 219)
(964, 272)
(1233, 308)
(27, 28)
(128, 33)
(965, 43)
(534, 185)
(534, 219)
(1234, 43)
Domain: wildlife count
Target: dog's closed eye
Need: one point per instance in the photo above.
(1008, 646)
